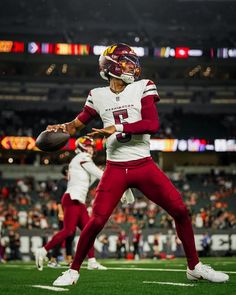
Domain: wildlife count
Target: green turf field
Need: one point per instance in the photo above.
(122, 277)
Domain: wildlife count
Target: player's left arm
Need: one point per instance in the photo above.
(149, 124)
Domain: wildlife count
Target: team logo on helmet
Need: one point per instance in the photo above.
(83, 142)
(109, 50)
(120, 61)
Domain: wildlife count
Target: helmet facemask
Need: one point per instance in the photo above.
(130, 68)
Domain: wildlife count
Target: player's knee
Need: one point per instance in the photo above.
(68, 232)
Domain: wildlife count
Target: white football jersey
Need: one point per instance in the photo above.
(82, 173)
(120, 108)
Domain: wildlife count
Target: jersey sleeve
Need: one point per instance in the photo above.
(84, 157)
(89, 111)
(92, 169)
(85, 160)
(150, 90)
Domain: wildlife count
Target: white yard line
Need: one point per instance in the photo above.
(116, 268)
(56, 289)
(142, 269)
(156, 269)
(169, 283)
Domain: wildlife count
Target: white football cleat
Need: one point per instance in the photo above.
(93, 264)
(205, 272)
(69, 277)
(40, 256)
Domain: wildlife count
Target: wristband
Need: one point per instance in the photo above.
(119, 127)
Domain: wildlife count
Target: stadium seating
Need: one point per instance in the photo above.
(207, 195)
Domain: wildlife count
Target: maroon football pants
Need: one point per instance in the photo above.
(75, 214)
(144, 175)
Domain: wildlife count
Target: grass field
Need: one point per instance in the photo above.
(122, 277)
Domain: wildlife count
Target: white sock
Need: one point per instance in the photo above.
(93, 259)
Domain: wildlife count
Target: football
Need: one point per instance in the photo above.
(50, 141)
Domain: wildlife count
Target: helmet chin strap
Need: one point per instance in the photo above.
(127, 78)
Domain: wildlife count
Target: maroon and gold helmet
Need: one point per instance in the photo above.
(113, 61)
(83, 142)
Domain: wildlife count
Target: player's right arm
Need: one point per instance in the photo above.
(70, 127)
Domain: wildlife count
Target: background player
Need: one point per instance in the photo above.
(60, 189)
(127, 109)
(81, 174)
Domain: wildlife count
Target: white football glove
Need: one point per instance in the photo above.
(128, 197)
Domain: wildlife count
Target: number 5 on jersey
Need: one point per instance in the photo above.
(118, 116)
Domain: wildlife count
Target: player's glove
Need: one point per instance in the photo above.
(128, 197)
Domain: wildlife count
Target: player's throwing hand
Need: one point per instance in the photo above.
(55, 128)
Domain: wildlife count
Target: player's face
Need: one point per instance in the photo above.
(127, 67)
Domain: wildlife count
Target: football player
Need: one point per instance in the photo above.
(127, 107)
(82, 173)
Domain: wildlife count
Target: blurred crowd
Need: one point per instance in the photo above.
(172, 125)
(210, 200)
(29, 204)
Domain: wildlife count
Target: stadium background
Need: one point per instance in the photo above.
(49, 61)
